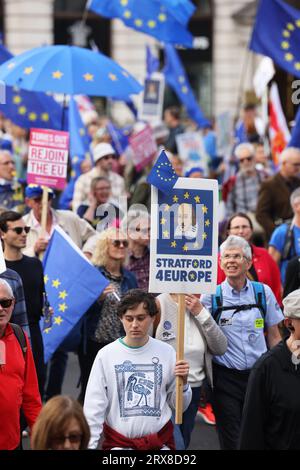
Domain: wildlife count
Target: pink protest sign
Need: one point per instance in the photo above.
(143, 147)
(48, 158)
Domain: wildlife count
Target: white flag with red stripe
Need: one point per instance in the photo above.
(278, 129)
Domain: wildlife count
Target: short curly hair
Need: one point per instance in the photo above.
(133, 298)
(100, 255)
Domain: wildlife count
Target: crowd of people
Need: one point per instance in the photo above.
(241, 344)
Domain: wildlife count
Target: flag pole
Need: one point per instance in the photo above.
(179, 357)
(44, 210)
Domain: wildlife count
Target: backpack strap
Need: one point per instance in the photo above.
(260, 297)
(20, 335)
(217, 303)
(288, 242)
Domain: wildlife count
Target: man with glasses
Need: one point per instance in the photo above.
(11, 191)
(18, 382)
(14, 233)
(250, 327)
(104, 155)
(244, 187)
(273, 207)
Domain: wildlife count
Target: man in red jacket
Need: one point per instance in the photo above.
(18, 381)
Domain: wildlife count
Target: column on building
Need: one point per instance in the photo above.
(28, 24)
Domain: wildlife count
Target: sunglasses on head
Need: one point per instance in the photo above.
(19, 230)
(118, 243)
(5, 303)
(248, 159)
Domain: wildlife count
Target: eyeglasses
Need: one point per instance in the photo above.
(248, 159)
(240, 227)
(6, 303)
(19, 230)
(73, 438)
(235, 257)
(118, 243)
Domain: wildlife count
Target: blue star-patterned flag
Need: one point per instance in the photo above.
(72, 285)
(152, 62)
(185, 221)
(295, 137)
(79, 149)
(119, 137)
(162, 175)
(276, 34)
(155, 18)
(27, 108)
(177, 79)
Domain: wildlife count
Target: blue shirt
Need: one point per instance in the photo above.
(278, 240)
(245, 329)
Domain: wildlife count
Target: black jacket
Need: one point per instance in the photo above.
(271, 415)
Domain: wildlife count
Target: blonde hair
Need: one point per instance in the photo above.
(100, 256)
(53, 420)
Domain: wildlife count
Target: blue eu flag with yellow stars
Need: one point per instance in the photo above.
(276, 34)
(177, 79)
(72, 285)
(162, 175)
(295, 135)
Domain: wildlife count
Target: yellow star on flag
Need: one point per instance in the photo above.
(88, 77)
(186, 195)
(192, 276)
(58, 320)
(286, 34)
(73, 173)
(127, 14)
(197, 199)
(285, 45)
(291, 27)
(163, 221)
(289, 57)
(173, 244)
(166, 234)
(81, 131)
(63, 294)
(204, 209)
(56, 283)
(57, 74)
(207, 223)
(184, 90)
(28, 70)
(181, 79)
(62, 307)
(17, 99)
(297, 65)
(32, 116)
(46, 278)
(45, 117)
(112, 77)
(124, 3)
(195, 264)
(22, 110)
(298, 23)
(152, 24)
(162, 17)
(204, 236)
(47, 330)
(185, 248)
(175, 199)
(167, 207)
(138, 23)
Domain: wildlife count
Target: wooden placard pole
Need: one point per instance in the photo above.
(44, 214)
(180, 356)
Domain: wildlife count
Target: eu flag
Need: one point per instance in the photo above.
(152, 62)
(72, 285)
(152, 17)
(79, 149)
(177, 79)
(295, 137)
(276, 34)
(162, 175)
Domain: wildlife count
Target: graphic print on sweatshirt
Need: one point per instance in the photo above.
(139, 388)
